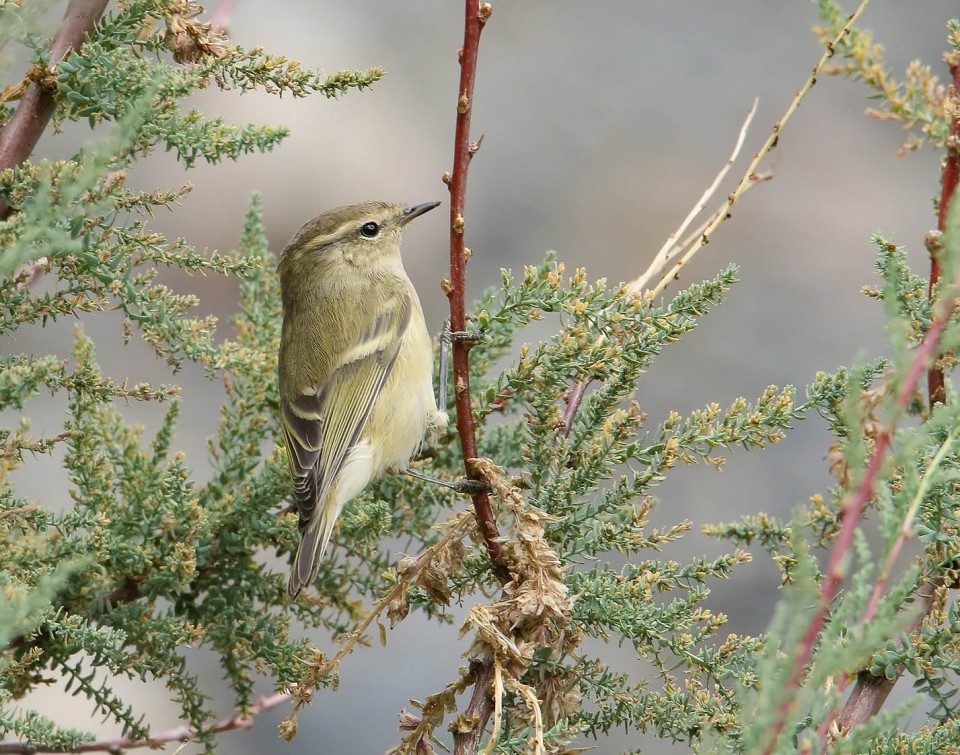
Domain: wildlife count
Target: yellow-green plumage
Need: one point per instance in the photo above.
(356, 365)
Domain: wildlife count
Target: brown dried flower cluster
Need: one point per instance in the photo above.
(532, 616)
(191, 40)
(871, 426)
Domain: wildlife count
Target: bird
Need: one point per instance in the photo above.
(355, 366)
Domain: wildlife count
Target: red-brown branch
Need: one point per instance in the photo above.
(948, 185)
(21, 133)
(574, 398)
(182, 733)
(478, 711)
(475, 17)
(850, 518)
(870, 692)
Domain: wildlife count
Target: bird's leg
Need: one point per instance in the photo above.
(465, 486)
(470, 336)
(447, 337)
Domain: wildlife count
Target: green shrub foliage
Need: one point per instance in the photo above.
(146, 563)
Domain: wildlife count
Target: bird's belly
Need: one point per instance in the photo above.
(400, 415)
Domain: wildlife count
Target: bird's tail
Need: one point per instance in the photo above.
(314, 543)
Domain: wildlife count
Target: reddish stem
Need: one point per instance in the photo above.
(475, 17)
(870, 693)
(182, 733)
(951, 172)
(478, 711)
(850, 518)
(21, 133)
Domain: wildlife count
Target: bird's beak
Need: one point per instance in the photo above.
(416, 211)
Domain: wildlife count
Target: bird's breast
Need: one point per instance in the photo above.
(399, 418)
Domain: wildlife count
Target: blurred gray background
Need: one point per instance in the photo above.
(602, 123)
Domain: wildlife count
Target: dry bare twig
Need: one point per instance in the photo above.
(457, 527)
(671, 246)
(182, 733)
(750, 176)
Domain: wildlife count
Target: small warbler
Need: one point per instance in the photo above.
(356, 365)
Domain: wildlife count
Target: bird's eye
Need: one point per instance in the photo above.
(369, 230)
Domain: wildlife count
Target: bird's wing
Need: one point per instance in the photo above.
(321, 424)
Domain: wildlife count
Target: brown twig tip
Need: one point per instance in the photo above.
(183, 733)
(574, 399)
(475, 146)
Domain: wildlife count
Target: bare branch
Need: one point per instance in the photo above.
(479, 710)
(668, 251)
(475, 17)
(182, 733)
(670, 246)
(750, 176)
(852, 513)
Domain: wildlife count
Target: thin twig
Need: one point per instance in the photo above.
(851, 513)
(667, 252)
(853, 508)
(871, 692)
(869, 686)
(670, 246)
(750, 177)
(182, 733)
(906, 526)
(21, 133)
(574, 398)
(475, 17)
(457, 527)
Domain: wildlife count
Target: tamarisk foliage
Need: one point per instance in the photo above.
(156, 554)
(143, 562)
